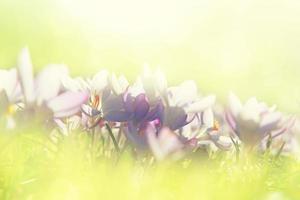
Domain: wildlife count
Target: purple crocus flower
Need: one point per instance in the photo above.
(44, 93)
(252, 121)
(133, 106)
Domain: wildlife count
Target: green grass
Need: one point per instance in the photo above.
(34, 167)
(249, 47)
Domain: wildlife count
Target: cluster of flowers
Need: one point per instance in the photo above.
(167, 121)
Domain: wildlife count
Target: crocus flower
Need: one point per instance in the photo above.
(44, 93)
(287, 143)
(10, 96)
(205, 130)
(165, 143)
(105, 98)
(138, 111)
(183, 104)
(252, 121)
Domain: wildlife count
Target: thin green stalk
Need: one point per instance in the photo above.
(112, 137)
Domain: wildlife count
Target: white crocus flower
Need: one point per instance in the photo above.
(10, 96)
(44, 91)
(186, 96)
(183, 104)
(118, 84)
(252, 121)
(154, 82)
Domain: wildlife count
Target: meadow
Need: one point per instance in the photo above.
(247, 47)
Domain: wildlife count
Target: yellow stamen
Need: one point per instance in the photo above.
(11, 110)
(216, 126)
(95, 101)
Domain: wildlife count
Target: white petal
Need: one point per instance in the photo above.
(67, 103)
(9, 83)
(123, 82)
(270, 118)
(160, 81)
(169, 142)
(100, 81)
(117, 85)
(75, 85)
(10, 123)
(26, 75)
(201, 105)
(208, 118)
(49, 82)
(235, 104)
(154, 144)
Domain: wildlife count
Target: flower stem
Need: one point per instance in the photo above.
(112, 137)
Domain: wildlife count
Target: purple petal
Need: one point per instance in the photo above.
(128, 102)
(141, 107)
(156, 112)
(113, 103)
(132, 134)
(175, 118)
(118, 116)
(180, 121)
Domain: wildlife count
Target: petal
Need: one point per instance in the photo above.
(118, 116)
(138, 140)
(141, 107)
(49, 82)
(208, 118)
(67, 103)
(175, 118)
(184, 93)
(89, 111)
(128, 102)
(26, 75)
(269, 121)
(66, 113)
(160, 81)
(4, 102)
(156, 113)
(75, 84)
(231, 122)
(235, 104)
(118, 85)
(153, 143)
(100, 81)
(62, 126)
(166, 143)
(222, 142)
(10, 84)
(113, 103)
(201, 105)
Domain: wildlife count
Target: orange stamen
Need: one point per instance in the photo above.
(216, 126)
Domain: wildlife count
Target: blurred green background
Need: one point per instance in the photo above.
(249, 47)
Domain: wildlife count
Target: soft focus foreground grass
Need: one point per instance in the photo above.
(32, 167)
(250, 47)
